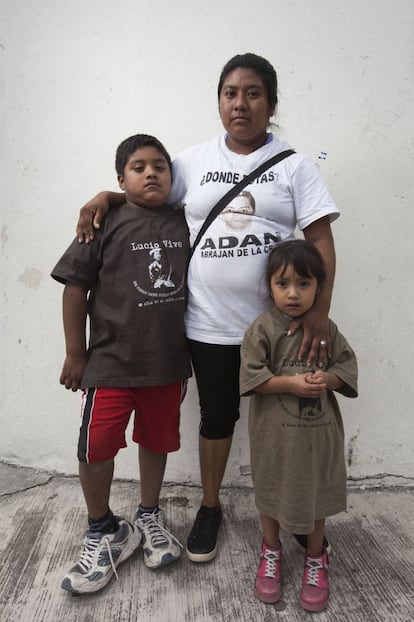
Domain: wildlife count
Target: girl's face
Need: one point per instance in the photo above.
(293, 294)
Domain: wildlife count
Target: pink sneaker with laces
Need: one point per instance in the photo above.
(315, 583)
(268, 583)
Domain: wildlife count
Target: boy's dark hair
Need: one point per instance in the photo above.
(303, 256)
(131, 144)
(260, 65)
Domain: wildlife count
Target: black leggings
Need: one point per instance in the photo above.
(216, 369)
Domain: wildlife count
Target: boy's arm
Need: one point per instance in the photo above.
(93, 213)
(74, 325)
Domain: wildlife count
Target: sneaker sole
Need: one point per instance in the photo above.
(167, 559)
(270, 599)
(89, 587)
(201, 557)
(314, 607)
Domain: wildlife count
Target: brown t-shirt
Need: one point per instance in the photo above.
(296, 444)
(135, 273)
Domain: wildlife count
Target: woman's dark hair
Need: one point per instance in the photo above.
(260, 65)
(131, 144)
(303, 256)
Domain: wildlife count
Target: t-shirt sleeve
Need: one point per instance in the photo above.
(311, 196)
(79, 264)
(179, 184)
(254, 360)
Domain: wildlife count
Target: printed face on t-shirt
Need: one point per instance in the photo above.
(147, 178)
(237, 214)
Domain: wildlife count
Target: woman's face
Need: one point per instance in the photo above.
(244, 110)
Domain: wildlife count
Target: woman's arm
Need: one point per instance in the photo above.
(315, 321)
(94, 211)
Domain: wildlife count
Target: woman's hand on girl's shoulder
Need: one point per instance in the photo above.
(316, 341)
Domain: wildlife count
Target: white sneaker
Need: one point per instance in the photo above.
(100, 556)
(159, 545)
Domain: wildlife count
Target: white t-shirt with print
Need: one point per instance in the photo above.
(226, 284)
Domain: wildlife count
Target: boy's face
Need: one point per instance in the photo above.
(147, 178)
(293, 294)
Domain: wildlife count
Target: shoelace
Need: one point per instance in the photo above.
(314, 566)
(270, 568)
(158, 533)
(89, 550)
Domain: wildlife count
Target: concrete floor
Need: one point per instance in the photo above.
(42, 522)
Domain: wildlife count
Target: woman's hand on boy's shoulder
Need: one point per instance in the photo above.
(91, 216)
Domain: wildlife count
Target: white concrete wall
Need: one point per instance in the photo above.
(78, 77)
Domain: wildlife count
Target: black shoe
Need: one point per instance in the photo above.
(202, 541)
(303, 541)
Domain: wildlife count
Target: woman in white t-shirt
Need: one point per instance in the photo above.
(226, 286)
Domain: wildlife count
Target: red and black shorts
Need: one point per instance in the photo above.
(106, 412)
